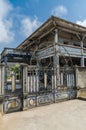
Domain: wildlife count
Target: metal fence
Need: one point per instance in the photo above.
(41, 86)
(35, 86)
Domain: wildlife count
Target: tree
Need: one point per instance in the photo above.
(16, 70)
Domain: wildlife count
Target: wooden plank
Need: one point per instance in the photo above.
(45, 52)
(63, 50)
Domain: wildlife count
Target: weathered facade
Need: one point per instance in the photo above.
(51, 63)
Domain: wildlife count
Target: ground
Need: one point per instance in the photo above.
(68, 115)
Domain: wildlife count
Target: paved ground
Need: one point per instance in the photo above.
(69, 115)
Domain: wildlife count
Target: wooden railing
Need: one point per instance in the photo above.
(13, 51)
(63, 49)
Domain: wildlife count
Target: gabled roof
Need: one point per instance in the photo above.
(52, 23)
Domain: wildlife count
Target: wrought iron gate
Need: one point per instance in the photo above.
(40, 86)
(12, 97)
(32, 87)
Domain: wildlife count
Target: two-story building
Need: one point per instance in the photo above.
(51, 62)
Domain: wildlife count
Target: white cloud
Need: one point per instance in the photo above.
(5, 8)
(6, 24)
(59, 11)
(83, 22)
(28, 25)
(25, 24)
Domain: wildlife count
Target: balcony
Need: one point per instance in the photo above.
(14, 54)
(62, 49)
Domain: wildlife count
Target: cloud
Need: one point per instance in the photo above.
(5, 8)
(59, 11)
(13, 21)
(28, 25)
(6, 24)
(6, 35)
(83, 22)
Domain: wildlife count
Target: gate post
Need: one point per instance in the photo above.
(45, 79)
(13, 81)
(2, 85)
(2, 79)
(37, 81)
(25, 78)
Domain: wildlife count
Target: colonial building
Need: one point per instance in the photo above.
(50, 64)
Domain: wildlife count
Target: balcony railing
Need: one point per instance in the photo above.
(12, 51)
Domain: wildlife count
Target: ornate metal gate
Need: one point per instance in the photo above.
(28, 86)
(40, 88)
(12, 97)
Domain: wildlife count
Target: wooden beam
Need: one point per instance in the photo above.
(63, 50)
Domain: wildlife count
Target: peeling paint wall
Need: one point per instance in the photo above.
(81, 82)
(81, 77)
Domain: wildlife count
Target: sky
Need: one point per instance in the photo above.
(19, 18)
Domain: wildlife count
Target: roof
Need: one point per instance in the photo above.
(52, 23)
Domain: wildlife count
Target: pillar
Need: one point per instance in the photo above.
(56, 59)
(37, 76)
(25, 78)
(13, 81)
(82, 56)
(45, 79)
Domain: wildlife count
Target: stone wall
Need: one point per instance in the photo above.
(81, 77)
(81, 82)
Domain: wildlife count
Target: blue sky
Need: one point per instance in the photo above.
(19, 18)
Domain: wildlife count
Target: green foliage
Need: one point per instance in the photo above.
(15, 69)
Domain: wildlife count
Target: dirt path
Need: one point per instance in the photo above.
(69, 115)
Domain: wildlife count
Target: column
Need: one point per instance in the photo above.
(45, 79)
(56, 59)
(37, 81)
(25, 78)
(37, 77)
(82, 56)
(13, 81)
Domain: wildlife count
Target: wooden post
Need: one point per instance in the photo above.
(34, 79)
(25, 79)
(52, 82)
(28, 83)
(13, 81)
(37, 81)
(31, 83)
(81, 38)
(37, 77)
(56, 60)
(45, 79)
(82, 56)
